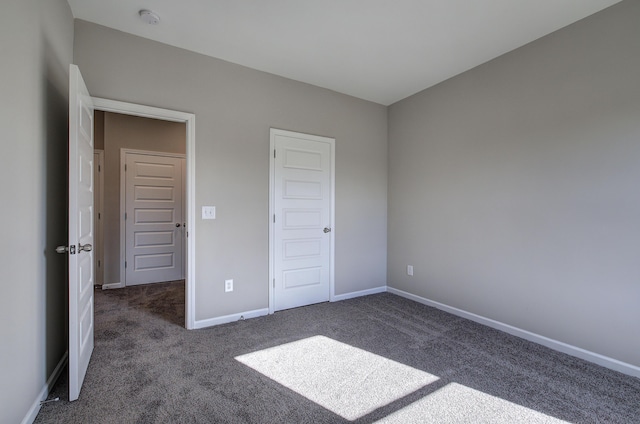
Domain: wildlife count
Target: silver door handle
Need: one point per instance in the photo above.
(62, 249)
(327, 230)
(87, 247)
(177, 224)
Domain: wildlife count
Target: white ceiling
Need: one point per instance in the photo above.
(378, 50)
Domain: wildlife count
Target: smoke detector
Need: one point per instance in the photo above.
(149, 17)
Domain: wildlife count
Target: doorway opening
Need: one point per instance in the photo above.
(140, 219)
(183, 152)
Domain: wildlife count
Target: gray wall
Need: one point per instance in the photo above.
(98, 130)
(36, 40)
(130, 132)
(514, 187)
(235, 107)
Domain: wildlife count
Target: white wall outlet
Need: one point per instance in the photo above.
(228, 285)
(410, 270)
(208, 212)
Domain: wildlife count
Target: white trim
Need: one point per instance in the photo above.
(110, 286)
(124, 151)
(578, 352)
(332, 143)
(351, 295)
(31, 415)
(143, 111)
(35, 406)
(190, 120)
(272, 212)
(332, 258)
(210, 322)
(127, 151)
(121, 220)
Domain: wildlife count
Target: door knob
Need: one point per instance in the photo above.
(327, 230)
(62, 249)
(87, 247)
(177, 224)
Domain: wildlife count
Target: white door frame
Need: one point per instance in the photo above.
(190, 199)
(332, 255)
(123, 207)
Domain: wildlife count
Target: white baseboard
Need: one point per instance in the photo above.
(230, 318)
(262, 312)
(110, 286)
(351, 295)
(578, 352)
(44, 392)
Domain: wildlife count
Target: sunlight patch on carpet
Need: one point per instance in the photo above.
(346, 380)
(455, 403)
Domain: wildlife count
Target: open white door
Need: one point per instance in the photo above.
(81, 268)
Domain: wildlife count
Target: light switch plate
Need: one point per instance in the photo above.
(208, 212)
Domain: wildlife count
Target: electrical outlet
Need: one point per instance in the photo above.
(410, 270)
(208, 212)
(228, 285)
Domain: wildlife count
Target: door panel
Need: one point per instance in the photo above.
(299, 219)
(154, 208)
(158, 238)
(302, 205)
(297, 249)
(81, 263)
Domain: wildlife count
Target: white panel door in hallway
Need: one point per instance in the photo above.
(154, 240)
(302, 196)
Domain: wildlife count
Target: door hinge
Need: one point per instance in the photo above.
(125, 264)
(99, 264)
(274, 218)
(99, 170)
(125, 167)
(274, 283)
(274, 154)
(98, 215)
(125, 216)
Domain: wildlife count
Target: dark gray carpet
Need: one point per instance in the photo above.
(146, 368)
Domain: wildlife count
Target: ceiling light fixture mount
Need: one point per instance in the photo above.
(149, 17)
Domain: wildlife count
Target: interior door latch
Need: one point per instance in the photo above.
(64, 249)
